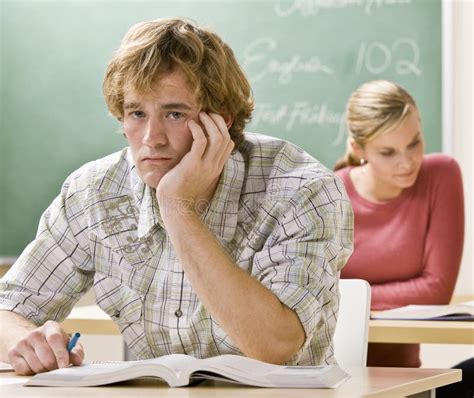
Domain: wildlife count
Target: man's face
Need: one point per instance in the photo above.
(156, 126)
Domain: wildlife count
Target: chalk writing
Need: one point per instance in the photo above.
(300, 113)
(311, 8)
(258, 63)
(377, 57)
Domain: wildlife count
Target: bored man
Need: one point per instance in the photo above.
(197, 238)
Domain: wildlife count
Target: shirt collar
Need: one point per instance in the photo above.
(145, 198)
(222, 212)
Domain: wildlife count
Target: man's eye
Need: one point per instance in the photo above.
(386, 154)
(175, 115)
(137, 114)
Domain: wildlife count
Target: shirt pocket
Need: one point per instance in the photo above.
(110, 263)
(113, 226)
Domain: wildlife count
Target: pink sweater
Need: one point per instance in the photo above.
(409, 249)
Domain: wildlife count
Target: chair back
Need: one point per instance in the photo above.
(352, 328)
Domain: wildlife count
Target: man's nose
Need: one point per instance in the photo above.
(155, 134)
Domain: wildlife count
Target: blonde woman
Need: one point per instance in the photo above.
(408, 209)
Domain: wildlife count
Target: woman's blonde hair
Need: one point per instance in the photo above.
(375, 108)
(151, 49)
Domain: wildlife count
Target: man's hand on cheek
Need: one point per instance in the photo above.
(192, 182)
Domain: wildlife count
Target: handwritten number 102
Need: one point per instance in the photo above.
(377, 57)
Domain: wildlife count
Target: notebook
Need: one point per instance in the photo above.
(451, 312)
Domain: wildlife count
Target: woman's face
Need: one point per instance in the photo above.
(394, 158)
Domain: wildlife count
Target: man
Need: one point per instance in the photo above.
(197, 238)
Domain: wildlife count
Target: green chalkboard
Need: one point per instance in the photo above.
(303, 57)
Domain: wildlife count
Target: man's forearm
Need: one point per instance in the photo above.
(260, 325)
(12, 329)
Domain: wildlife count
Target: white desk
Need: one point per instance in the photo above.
(365, 382)
(92, 320)
(429, 332)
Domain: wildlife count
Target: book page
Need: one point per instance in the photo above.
(5, 367)
(174, 369)
(426, 312)
(179, 363)
(239, 363)
(250, 371)
(86, 374)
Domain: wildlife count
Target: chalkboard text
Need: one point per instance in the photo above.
(258, 63)
(377, 57)
(311, 8)
(301, 113)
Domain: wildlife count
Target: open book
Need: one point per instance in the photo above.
(180, 370)
(451, 312)
(5, 367)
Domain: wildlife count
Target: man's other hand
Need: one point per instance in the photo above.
(44, 349)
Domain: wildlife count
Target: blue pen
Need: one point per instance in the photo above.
(73, 341)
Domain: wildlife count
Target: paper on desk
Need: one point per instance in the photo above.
(5, 367)
(6, 379)
(13, 380)
(459, 311)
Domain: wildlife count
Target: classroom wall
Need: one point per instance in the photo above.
(447, 355)
(461, 148)
(302, 57)
(463, 127)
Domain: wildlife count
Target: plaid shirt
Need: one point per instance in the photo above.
(282, 216)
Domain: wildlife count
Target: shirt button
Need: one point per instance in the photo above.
(116, 314)
(178, 313)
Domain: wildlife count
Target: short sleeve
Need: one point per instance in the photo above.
(55, 269)
(301, 260)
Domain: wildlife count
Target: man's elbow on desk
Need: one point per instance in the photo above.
(281, 343)
(276, 352)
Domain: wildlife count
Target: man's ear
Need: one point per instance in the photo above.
(228, 121)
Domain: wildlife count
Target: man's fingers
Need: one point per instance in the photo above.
(219, 138)
(221, 124)
(42, 349)
(199, 139)
(76, 356)
(45, 354)
(26, 352)
(57, 339)
(214, 135)
(227, 145)
(20, 366)
(229, 148)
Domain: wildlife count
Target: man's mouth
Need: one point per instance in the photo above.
(156, 160)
